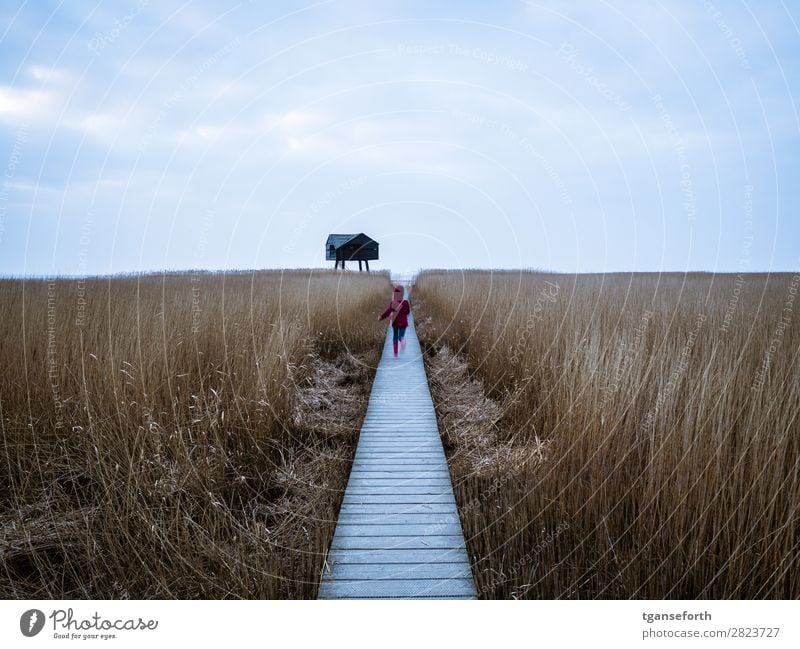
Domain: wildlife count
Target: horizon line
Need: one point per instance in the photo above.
(400, 274)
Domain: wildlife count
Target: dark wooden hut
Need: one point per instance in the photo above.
(350, 247)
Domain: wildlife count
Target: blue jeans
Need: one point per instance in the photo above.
(398, 334)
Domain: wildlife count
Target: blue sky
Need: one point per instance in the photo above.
(580, 136)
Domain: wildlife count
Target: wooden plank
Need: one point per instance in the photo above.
(435, 469)
(432, 519)
(422, 428)
(405, 414)
(400, 455)
(402, 490)
(390, 456)
(405, 438)
(391, 397)
(400, 478)
(433, 445)
(399, 408)
(400, 464)
(398, 401)
(410, 461)
(397, 446)
(423, 471)
(396, 588)
(402, 451)
(361, 571)
(396, 508)
(397, 499)
(356, 529)
(384, 452)
(382, 435)
(400, 473)
(351, 551)
(426, 429)
(402, 441)
(429, 436)
(449, 542)
(406, 418)
(393, 483)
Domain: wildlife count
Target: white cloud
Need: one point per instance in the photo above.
(25, 104)
(48, 74)
(101, 125)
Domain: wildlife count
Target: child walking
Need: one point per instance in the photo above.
(397, 312)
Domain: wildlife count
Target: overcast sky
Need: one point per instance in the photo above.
(571, 136)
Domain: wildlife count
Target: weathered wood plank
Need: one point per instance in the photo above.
(405, 438)
(396, 588)
(351, 551)
(435, 460)
(356, 529)
(397, 445)
(432, 520)
(365, 509)
(402, 490)
(400, 473)
(385, 483)
(398, 499)
(404, 420)
(432, 542)
(360, 571)
(397, 431)
(401, 454)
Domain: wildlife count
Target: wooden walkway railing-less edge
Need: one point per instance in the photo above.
(398, 534)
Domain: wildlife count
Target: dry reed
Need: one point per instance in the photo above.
(659, 416)
(179, 436)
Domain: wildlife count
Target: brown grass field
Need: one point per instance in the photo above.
(189, 435)
(620, 436)
(179, 436)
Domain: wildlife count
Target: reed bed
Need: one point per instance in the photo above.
(621, 436)
(185, 435)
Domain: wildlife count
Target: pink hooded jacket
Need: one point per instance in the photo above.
(398, 308)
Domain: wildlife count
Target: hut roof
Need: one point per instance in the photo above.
(339, 240)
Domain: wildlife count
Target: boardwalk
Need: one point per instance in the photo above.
(398, 533)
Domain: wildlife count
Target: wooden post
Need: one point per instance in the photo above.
(359, 265)
(366, 261)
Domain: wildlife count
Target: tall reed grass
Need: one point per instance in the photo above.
(657, 416)
(154, 442)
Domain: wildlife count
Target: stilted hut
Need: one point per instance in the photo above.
(350, 247)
